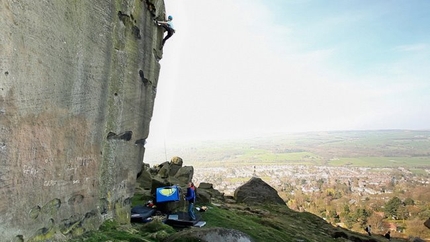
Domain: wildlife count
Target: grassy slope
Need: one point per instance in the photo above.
(361, 148)
(263, 223)
(275, 223)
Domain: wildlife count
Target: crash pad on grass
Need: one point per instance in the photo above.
(141, 214)
(181, 219)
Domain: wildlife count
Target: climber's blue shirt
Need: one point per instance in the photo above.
(170, 24)
(191, 195)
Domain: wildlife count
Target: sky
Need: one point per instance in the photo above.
(245, 68)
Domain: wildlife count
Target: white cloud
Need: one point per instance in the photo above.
(414, 47)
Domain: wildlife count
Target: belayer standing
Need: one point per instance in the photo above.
(191, 198)
(369, 230)
(388, 236)
(168, 26)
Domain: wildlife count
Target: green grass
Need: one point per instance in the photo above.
(275, 223)
(382, 161)
(111, 231)
(376, 149)
(267, 157)
(259, 228)
(380, 148)
(294, 156)
(418, 171)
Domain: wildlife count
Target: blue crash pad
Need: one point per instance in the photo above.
(167, 194)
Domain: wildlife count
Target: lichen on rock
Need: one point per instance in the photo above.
(73, 72)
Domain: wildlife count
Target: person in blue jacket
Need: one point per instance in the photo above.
(168, 26)
(190, 197)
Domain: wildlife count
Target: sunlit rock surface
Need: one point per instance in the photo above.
(77, 86)
(257, 191)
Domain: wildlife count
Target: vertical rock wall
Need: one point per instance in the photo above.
(77, 86)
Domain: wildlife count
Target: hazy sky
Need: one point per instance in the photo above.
(246, 67)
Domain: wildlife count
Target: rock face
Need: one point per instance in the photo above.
(173, 173)
(77, 86)
(256, 191)
(207, 193)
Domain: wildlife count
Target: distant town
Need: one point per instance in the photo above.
(362, 180)
(349, 178)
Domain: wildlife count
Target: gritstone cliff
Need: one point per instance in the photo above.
(77, 86)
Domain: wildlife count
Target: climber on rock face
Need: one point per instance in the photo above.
(168, 26)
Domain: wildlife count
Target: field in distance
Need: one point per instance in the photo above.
(380, 148)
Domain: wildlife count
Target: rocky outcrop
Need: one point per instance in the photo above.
(173, 173)
(77, 86)
(208, 194)
(256, 191)
(168, 173)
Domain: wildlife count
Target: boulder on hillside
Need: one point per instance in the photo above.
(145, 180)
(173, 173)
(164, 170)
(174, 168)
(256, 191)
(185, 174)
(205, 185)
(206, 193)
(175, 164)
(163, 175)
(158, 182)
(176, 160)
(170, 173)
(143, 167)
(203, 196)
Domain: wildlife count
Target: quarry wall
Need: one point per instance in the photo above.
(78, 81)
